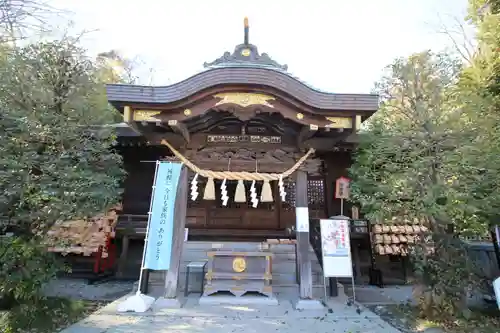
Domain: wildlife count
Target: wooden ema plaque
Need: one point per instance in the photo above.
(342, 188)
(238, 272)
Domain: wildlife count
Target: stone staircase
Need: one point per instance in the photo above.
(283, 265)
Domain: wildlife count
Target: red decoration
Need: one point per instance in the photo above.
(342, 188)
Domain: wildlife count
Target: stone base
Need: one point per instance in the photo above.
(242, 300)
(309, 304)
(136, 303)
(167, 303)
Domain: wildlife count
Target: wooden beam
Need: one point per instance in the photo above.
(357, 123)
(128, 118)
(302, 216)
(327, 144)
(180, 128)
(180, 211)
(306, 133)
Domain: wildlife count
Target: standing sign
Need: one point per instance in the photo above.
(496, 289)
(161, 221)
(336, 246)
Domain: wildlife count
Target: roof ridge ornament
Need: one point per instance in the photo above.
(246, 31)
(245, 54)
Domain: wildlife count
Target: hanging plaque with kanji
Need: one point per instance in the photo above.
(342, 188)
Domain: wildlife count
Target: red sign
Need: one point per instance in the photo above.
(342, 188)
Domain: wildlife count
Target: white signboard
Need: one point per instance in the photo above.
(186, 233)
(496, 288)
(302, 219)
(336, 246)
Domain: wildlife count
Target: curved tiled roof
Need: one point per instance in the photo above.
(233, 74)
(245, 66)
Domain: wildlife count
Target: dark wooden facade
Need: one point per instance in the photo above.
(208, 218)
(244, 112)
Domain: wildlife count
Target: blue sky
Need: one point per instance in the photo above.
(338, 46)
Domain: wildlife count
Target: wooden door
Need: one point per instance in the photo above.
(315, 197)
(211, 214)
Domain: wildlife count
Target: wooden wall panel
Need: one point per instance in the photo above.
(336, 165)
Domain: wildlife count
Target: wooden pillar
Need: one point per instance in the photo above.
(302, 217)
(357, 260)
(123, 256)
(180, 211)
(145, 281)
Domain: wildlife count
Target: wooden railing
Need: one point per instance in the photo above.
(132, 224)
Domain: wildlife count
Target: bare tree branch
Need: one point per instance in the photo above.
(20, 17)
(459, 36)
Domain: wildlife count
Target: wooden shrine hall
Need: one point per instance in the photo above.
(243, 113)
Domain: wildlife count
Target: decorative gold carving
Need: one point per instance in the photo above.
(239, 264)
(339, 122)
(146, 115)
(187, 112)
(300, 116)
(245, 52)
(244, 99)
(243, 159)
(243, 139)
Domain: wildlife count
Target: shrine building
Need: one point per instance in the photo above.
(243, 113)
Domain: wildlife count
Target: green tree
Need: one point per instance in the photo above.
(399, 165)
(414, 162)
(478, 95)
(56, 162)
(115, 68)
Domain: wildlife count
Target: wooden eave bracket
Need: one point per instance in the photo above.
(306, 133)
(180, 128)
(131, 119)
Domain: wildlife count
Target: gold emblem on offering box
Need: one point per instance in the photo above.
(239, 265)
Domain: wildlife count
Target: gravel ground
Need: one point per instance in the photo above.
(80, 289)
(392, 318)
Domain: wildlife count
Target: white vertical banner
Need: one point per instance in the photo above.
(302, 219)
(336, 248)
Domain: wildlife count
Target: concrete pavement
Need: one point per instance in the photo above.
(337, 317)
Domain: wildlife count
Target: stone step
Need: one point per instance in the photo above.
(277, 267)
(283, 263)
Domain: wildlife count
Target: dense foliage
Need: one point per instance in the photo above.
(432, 152)
(56, 158)
(54, 164)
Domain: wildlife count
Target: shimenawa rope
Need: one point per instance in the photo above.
(232, 175)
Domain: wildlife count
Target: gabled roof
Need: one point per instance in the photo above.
(263, 77)
(245, 66)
